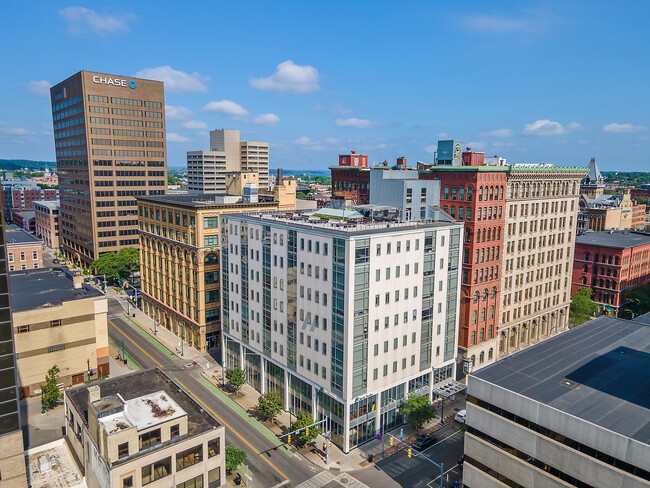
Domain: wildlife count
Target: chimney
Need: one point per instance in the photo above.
(278, 181)
(94, 393)
(385, 163)
(401, 162)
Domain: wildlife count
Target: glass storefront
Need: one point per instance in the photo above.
(274, 377)
(253, 368)
(232, 354)
(300, 397)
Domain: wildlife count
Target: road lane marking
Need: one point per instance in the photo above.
(441, 440)
(438, 477)
(233, 430)
(135, 344)
(285, 482)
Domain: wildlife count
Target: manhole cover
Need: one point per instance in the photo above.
(338, 462)
(189, 365)
(343, 480)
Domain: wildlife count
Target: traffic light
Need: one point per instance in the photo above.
(307, 430)
(390, 441)
(289, 439)
(409, 453)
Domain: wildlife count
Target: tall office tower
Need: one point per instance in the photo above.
(344, 318)
(474, 193)
(351, 178)
(540, 215)
(109, 134)
(206, 170)
(12, 458)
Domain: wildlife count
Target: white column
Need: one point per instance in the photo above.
(262, 377)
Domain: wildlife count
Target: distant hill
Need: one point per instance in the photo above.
(14, 164)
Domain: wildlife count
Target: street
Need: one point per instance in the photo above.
(269, 464)
(417, 472)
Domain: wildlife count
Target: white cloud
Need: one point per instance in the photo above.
(431, 148)
(310, 144)
(195, 125)
(530, 22)
(177, 113)
(547, 127)
(227, 107)
(174, 137)
(498, 133)
(289, 77)
(476, 146)
(354, 122)
(175, 81)
(5, 130)
(81, 19)
(39, 88)
(614, 127)
(266, 119)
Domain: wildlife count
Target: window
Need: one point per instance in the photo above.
(123, 450)
(214, 447)
(157, 470)
(189, 457)
(55, 323)
(175, 430)
(196, 482)
(34, 254)
(208, 222)
(149, 439)
(214, 477)
(22, 256)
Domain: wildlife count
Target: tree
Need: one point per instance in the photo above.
(303, 419)
(418, 411)
(638, 301)
(300, 195)
(50, 390)
(236, 377)
(234, 457)
(270, 404)
(582, 307)
(117, 264)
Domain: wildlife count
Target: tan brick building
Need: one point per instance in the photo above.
(538, 246)
(24, 251)
(180, 256)
(142, 429)
(58, 320)
(109, 134)
(47, 222)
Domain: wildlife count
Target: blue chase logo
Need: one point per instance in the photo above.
(132, 84)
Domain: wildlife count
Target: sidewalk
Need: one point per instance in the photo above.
(165, 337)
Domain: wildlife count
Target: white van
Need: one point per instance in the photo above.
(461, 416)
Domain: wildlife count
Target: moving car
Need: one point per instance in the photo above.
(424, 441)
(461, 416)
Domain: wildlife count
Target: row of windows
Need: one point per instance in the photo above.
(70, 123)
(67, 103)
(69, 133)
(485, 193)
(68, 113)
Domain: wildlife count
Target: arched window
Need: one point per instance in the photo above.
(469, 193)
(485, 193)
(461, 193)
(491, 193)
(489, 235)
(483, 239)
(476, 296)
(490, 354)
(481, 357)
(584, 280)
(474, 314)
(485, 294)
(480, 195)
(500, 198)
(473, 361)
(494, 292)
(446, 193)
(491, 311)
(211, 259)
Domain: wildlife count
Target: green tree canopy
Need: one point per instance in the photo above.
(582, 307)
(50, 390)
(270, 404)
(117, 264)
(303, 419)
(638, 301)
(234, 457)
(236, 377)
(418, 411)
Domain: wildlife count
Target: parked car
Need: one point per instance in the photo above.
(461, 416)
(424, 441)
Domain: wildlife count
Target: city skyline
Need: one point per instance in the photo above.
(530, 82)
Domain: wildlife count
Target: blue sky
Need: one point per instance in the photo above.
(552, 82)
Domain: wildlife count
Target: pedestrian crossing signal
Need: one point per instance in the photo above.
(409, 453)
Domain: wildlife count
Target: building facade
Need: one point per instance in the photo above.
(47, 222)
(12, 457)
(206, 170)
(610, 263)
(24, 251)
(541, 207)
(58, 320)
(180, 263)
(18, 196)
(109, 134)
(143, 430)
(474, 193)
(343, 319)
(552, 415)
(351, 178)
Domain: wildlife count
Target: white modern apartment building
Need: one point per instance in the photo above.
(206, 170)
(345, 319)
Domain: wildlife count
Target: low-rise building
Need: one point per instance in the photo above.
(25, 219)
(138, 429)
(59, 321)
(342, 315)
(573, 410)
(24, 251)
(610, 263)
(47, 222)
(351, 179)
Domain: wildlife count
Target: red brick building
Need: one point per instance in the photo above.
(610, 263)
(475, 194)
(351, 178)
(18, 198)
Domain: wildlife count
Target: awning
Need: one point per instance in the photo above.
(449, 389)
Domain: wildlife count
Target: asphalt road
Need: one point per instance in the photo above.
(417, 472)
(269, 465)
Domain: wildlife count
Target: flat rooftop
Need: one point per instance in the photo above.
(202, 200)
(150, 384)
(616, 240)
(598, 372)
(22, 237)
(310, 220)
(37, 288)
